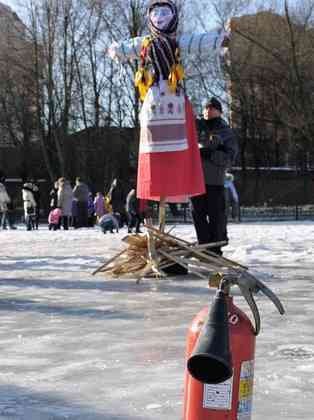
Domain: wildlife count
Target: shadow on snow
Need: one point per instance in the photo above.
(20, 403)
(16, 304)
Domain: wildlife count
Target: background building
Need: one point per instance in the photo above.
(271, 88)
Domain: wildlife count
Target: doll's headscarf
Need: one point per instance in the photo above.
(162, 51)
(172, 27)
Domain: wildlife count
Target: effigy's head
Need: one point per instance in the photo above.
(162, 17)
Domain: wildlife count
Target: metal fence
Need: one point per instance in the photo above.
(305, 212)
(246, 214)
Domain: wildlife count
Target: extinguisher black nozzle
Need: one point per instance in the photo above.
(208, 370)
(210, 361)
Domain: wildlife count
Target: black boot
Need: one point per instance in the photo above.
(175, 270)
(216, 251)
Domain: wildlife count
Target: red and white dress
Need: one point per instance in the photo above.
(169, 164)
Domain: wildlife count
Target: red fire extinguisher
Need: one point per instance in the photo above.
(220, 354)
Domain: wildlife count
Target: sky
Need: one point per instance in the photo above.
(16, 5)
(11, 3)
(209, 19)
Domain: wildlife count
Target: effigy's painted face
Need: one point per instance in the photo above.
(161, 16)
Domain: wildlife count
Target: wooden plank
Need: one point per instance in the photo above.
(186, 245)
(108, 262)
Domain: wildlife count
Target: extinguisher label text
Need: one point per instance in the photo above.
(218, 397)
(246, 390)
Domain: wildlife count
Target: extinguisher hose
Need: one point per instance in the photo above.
(249, 285)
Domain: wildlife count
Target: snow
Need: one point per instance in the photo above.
(77, 346)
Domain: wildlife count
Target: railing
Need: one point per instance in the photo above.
(298, 212)
(247, 214)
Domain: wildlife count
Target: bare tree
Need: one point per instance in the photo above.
(56, 32)
(16, 100)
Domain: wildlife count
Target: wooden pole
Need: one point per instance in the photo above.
(103, 266)
(162, 214)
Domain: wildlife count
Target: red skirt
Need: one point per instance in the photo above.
(172, 175)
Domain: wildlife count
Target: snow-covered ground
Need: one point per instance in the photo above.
(76, 346)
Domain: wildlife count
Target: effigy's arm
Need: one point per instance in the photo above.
(202, 44)
(126, 50)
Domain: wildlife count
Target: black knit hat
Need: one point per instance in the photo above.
(214, 103)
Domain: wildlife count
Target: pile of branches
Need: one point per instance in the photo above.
(149, 255)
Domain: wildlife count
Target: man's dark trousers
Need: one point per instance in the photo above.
(208, 211)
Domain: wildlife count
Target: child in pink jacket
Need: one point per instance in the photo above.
(54, 219)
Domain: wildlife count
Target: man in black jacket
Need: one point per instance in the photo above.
(218, 147)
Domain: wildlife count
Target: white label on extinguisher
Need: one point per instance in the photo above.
(218, 397)
(246, 390)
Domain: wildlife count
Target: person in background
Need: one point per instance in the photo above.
(117, 216)
(91, 210)
(29, 205)
(231, 196)
(74, 213)
(65, 198)
(143, 209)
(107, 203)
(36, 194)
(81, 193)
(117, 197)
(132, 209)
(54, 195)
(99, 204)
(4, 202)
(5, 198)
(174, 209)
(108, 222)
(54, 219)
(10, 215)
(218, 148)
